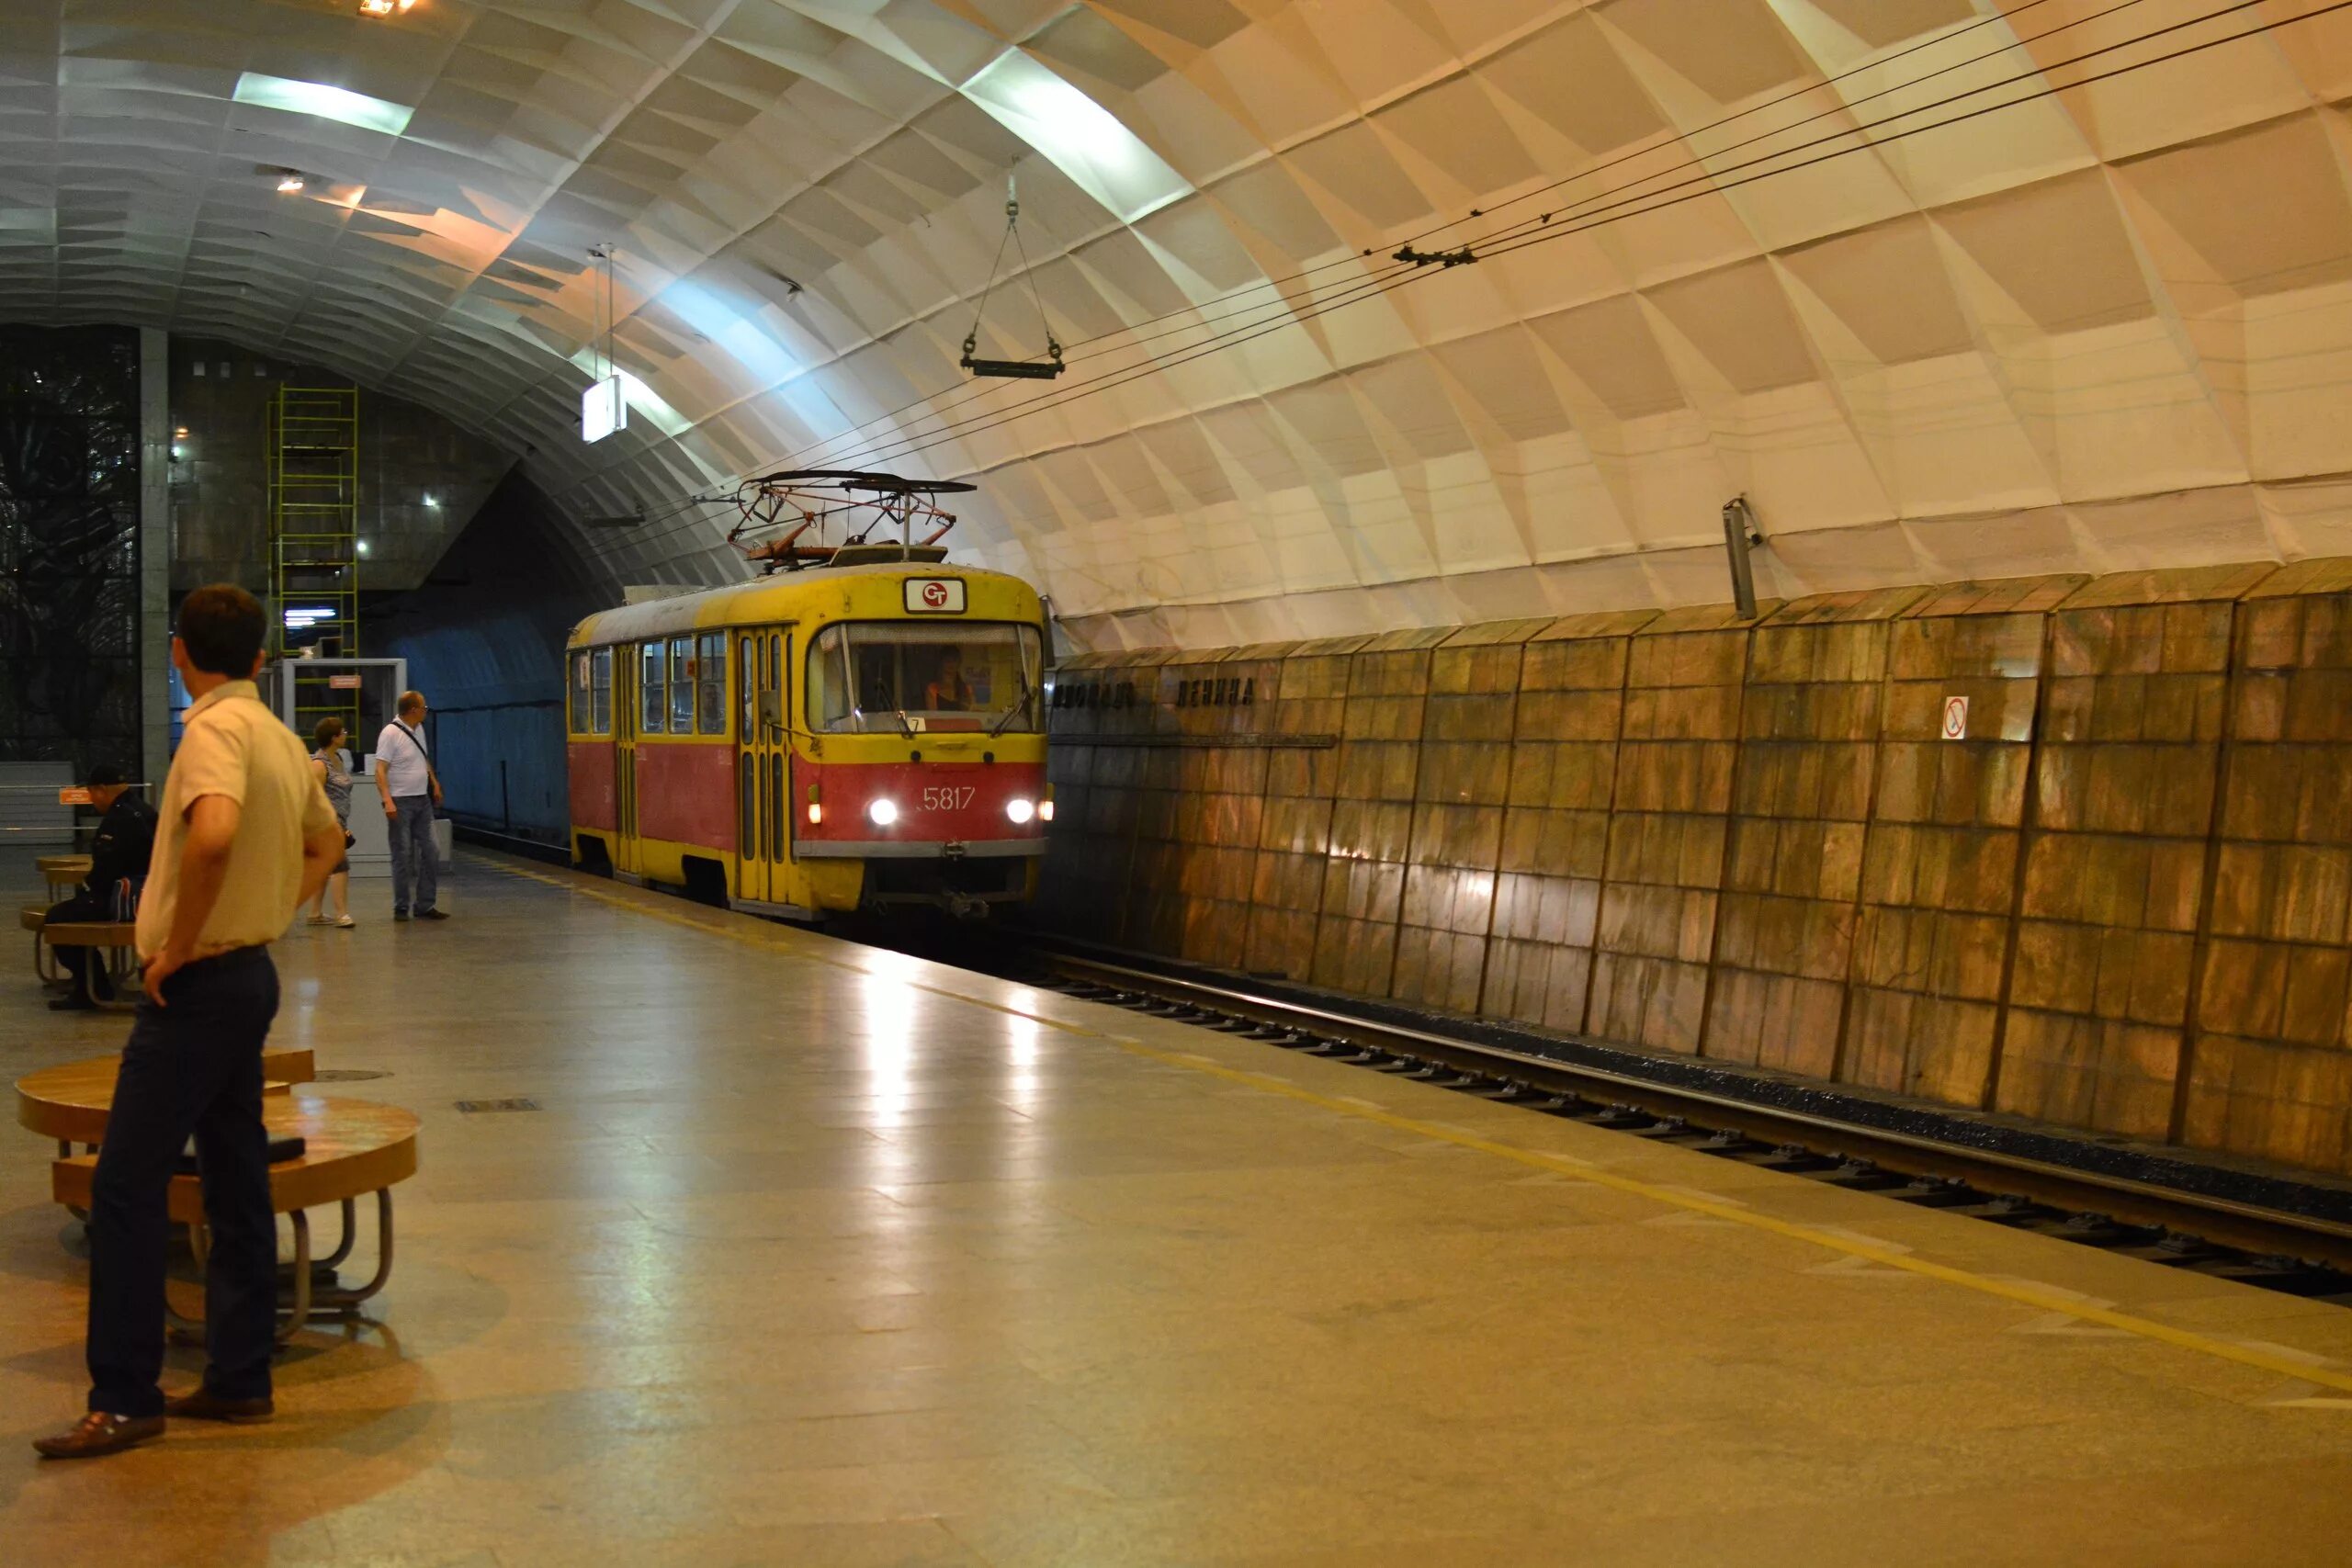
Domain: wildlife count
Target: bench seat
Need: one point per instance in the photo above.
(70, 1102)
(90, 934)
(352, 1147)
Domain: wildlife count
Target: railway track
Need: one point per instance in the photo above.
(2273, 1233)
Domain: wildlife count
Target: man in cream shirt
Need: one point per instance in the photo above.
(245, 837)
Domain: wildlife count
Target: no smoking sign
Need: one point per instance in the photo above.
(1955, 718)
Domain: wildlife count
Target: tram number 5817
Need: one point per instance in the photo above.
(948, 799)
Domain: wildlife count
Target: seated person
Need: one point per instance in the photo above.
(948, 694)
(126, 838)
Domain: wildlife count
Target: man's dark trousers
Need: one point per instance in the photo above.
(82, 905)
(192, 1066)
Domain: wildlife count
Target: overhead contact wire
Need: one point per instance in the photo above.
(1697, 161)
(1614, 212)
(796, 459)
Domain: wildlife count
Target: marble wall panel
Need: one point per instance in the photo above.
(1940, 861)
(1808, 756)
(1685, 675)
(2125, 773)
(2270, 1064)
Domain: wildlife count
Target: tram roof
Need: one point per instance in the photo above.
(828, 591)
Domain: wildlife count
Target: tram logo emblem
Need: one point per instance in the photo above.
(935, 596)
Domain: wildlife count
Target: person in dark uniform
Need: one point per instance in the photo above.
(125, 841)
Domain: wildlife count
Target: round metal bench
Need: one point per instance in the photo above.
(352, 1148)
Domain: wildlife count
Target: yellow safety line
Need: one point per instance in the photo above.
(2019, 1293)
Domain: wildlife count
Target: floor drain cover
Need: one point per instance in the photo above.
(347, 1075)
(470, 1106)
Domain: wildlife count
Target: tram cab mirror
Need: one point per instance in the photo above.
(772, 710)
(1053, 649)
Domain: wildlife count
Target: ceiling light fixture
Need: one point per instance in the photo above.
(289, 183)
(604, 407)
(386, 7)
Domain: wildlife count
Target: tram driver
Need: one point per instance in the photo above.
(948, 693)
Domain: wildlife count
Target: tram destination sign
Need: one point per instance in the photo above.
(935, 596)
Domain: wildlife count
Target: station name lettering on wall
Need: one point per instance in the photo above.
(1094, 694)
(1230, 692)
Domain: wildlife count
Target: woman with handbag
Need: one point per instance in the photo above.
(333, 773)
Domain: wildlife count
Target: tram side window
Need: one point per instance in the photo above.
(681, 685)
(583, 719)
(600, 692)
(710, 663)
(654, 660)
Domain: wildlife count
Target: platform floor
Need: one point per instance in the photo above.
(815, 1255)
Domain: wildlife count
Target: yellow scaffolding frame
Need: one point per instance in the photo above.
(312, 455)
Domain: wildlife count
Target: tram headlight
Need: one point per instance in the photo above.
(1020, 810)
(882, 813)
(1045, 809)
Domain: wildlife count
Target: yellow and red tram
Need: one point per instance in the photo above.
(865, 733)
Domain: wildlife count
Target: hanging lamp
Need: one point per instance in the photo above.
(1012, 369)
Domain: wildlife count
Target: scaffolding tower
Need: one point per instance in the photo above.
(312, 452)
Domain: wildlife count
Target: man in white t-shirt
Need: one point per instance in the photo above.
(405, 777)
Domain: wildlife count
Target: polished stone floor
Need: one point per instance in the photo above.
(815, 1255)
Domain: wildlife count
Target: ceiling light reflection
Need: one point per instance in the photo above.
(317, 98)
(1078, 136)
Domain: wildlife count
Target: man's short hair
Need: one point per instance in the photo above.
(222, 625)
(410, 703)
(106, 775)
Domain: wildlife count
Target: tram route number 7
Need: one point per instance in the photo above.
(949, 798)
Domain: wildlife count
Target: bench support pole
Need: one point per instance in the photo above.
(307, 1300)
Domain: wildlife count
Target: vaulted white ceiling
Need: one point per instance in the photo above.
(2108, 326)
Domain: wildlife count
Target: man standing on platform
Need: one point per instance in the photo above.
(405, 777)
(245, 837)
(119, 853)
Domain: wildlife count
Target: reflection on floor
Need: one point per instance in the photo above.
(814, 1255)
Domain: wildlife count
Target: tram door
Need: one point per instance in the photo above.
(752, 824)
(762, 764)
(625, 713)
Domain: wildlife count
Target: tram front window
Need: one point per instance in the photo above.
(887, 677)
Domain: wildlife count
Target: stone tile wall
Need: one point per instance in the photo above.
(1565, 735)
(1684, 680)
(2122, 900)
(2270, 1070)
(1808, 762)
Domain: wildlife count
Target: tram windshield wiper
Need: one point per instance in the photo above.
(1018, 705)
(904, 722)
